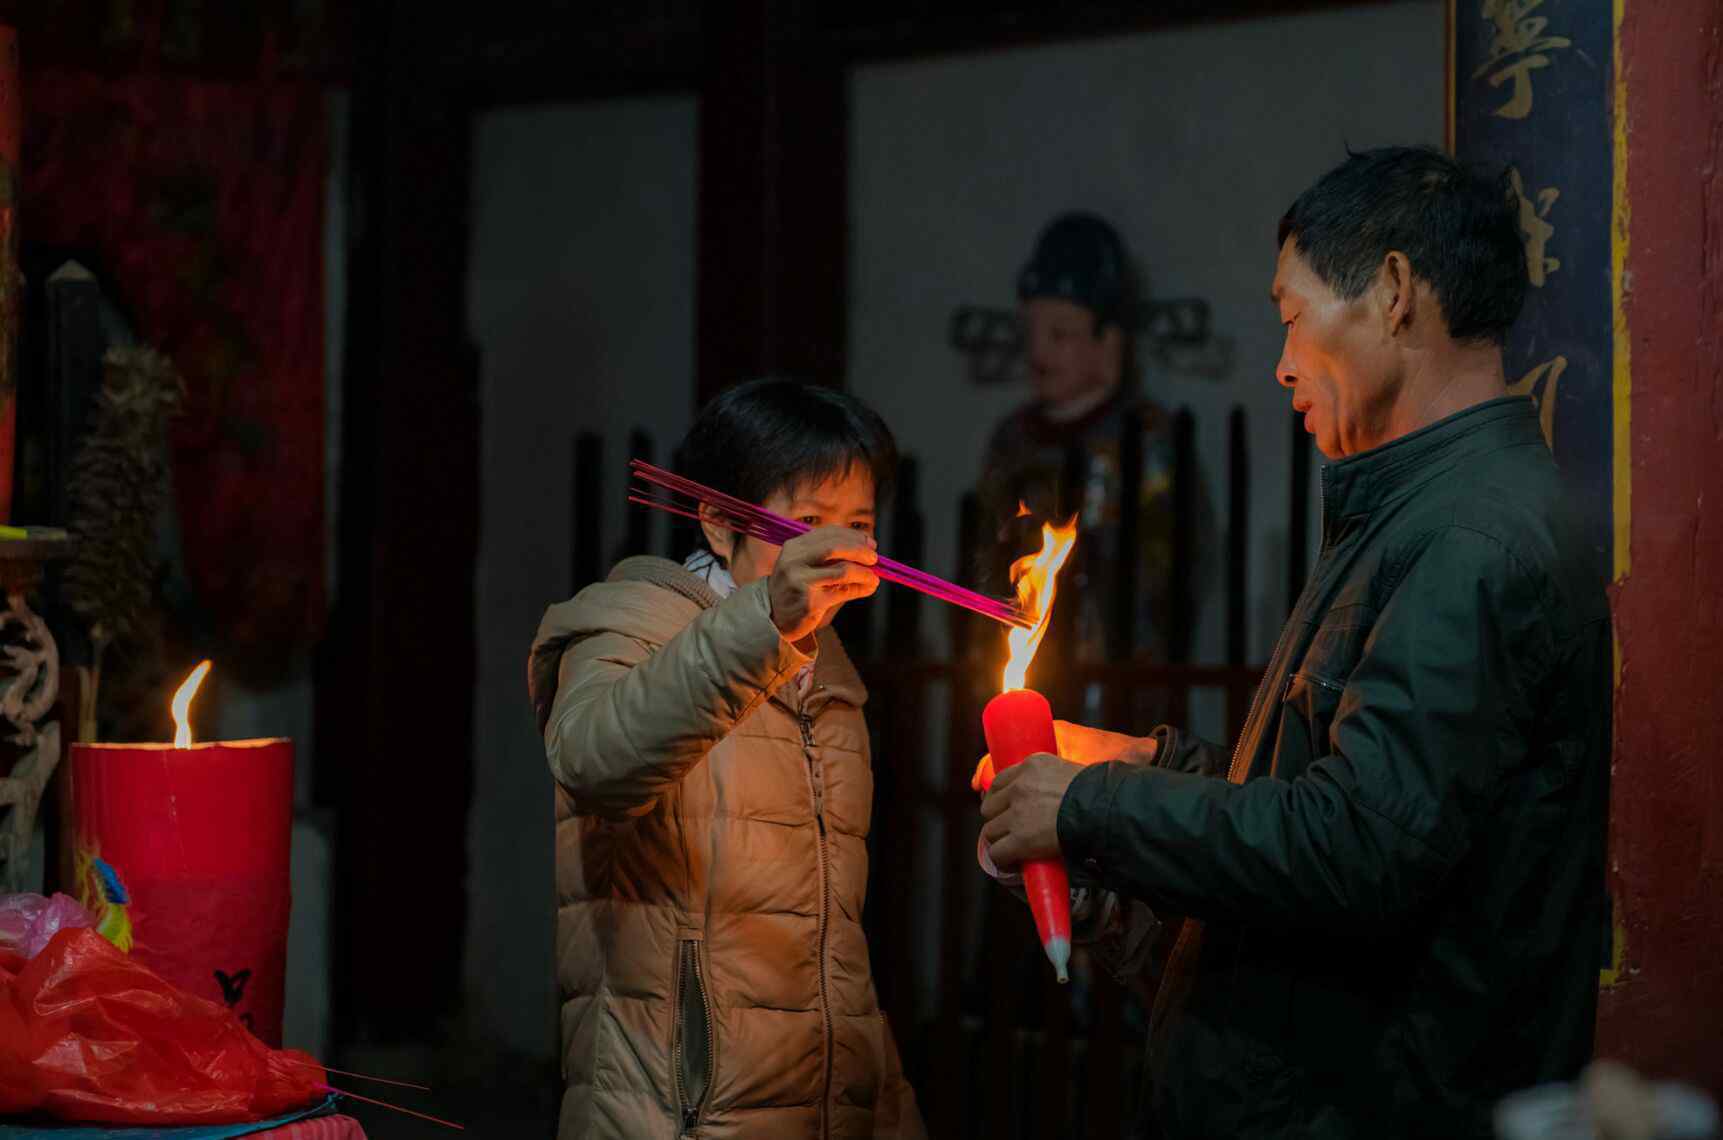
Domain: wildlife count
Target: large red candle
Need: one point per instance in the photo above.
(182, 855)
(1019, 723)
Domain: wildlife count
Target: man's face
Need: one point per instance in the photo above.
(1068, 359)
(1337, 359)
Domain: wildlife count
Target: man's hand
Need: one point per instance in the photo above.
(1081, 745)
(1623, 1103)
(1022, 810)
(816, 571)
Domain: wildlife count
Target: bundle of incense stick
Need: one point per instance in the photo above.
(685, 497)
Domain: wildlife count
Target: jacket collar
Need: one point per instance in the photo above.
(667, 574)
(1361, 484)
(835, 675)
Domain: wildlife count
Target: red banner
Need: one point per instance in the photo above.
(203, 201)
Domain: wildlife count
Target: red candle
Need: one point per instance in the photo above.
(182, 855)
(1019, 723)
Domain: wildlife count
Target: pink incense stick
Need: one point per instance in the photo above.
(397, 1108)
(361, 1076)
(760, 523)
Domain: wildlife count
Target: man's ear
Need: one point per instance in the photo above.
(718, 534)
(1399, 291)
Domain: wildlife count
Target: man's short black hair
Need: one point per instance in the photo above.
(1458, 227)
(766, 436)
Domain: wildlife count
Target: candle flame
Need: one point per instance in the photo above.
(1035, 576)
(182, 705)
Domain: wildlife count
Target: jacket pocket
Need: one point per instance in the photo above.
(1334, 649)
(694, 1054)
(1311, 696)
(1307, 708)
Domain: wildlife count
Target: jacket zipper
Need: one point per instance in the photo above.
(691, 1112)
(806, 723)
(711, 1041)
(1234, 773)
(676, 1047)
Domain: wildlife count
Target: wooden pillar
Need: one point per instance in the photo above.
(773, 198)
(1663, 998)
(1610, 117)
(395, 675)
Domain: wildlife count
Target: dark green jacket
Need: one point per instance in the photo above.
(1397, 899)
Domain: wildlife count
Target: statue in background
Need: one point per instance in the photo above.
(1089, 442)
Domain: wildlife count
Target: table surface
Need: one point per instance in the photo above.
(317, 1128)
(36, 549)
(330, 1126)
(22, 559)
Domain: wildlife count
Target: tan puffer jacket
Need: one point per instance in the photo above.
(711, 859)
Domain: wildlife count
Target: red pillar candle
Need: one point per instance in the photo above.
(1018, 724)
(183, 852)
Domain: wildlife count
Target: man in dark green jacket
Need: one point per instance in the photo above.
(1395, 882)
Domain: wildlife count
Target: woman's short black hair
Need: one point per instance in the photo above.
(1458, 227)
(766, 436)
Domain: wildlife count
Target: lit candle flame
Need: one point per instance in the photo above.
(1035, 576)
(182, 705)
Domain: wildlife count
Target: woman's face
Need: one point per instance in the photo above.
(846, 500)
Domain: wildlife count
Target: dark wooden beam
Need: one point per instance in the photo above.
(512, 52)
(534, 51)
(557, 51)
(902, 29)
(277, 39)
(773, 200)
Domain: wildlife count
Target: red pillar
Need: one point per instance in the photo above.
(1662, 1009)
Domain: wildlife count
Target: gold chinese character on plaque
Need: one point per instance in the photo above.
(1540, 384)
(1535, 226)
(1518, 47)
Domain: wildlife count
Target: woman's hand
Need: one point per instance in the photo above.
(817, 572)
(1081, 745)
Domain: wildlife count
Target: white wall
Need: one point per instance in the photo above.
(1192, 142)
(582, 303)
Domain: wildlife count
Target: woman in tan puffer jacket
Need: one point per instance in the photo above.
(713, 794)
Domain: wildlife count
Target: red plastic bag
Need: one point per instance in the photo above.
(88, 1034)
